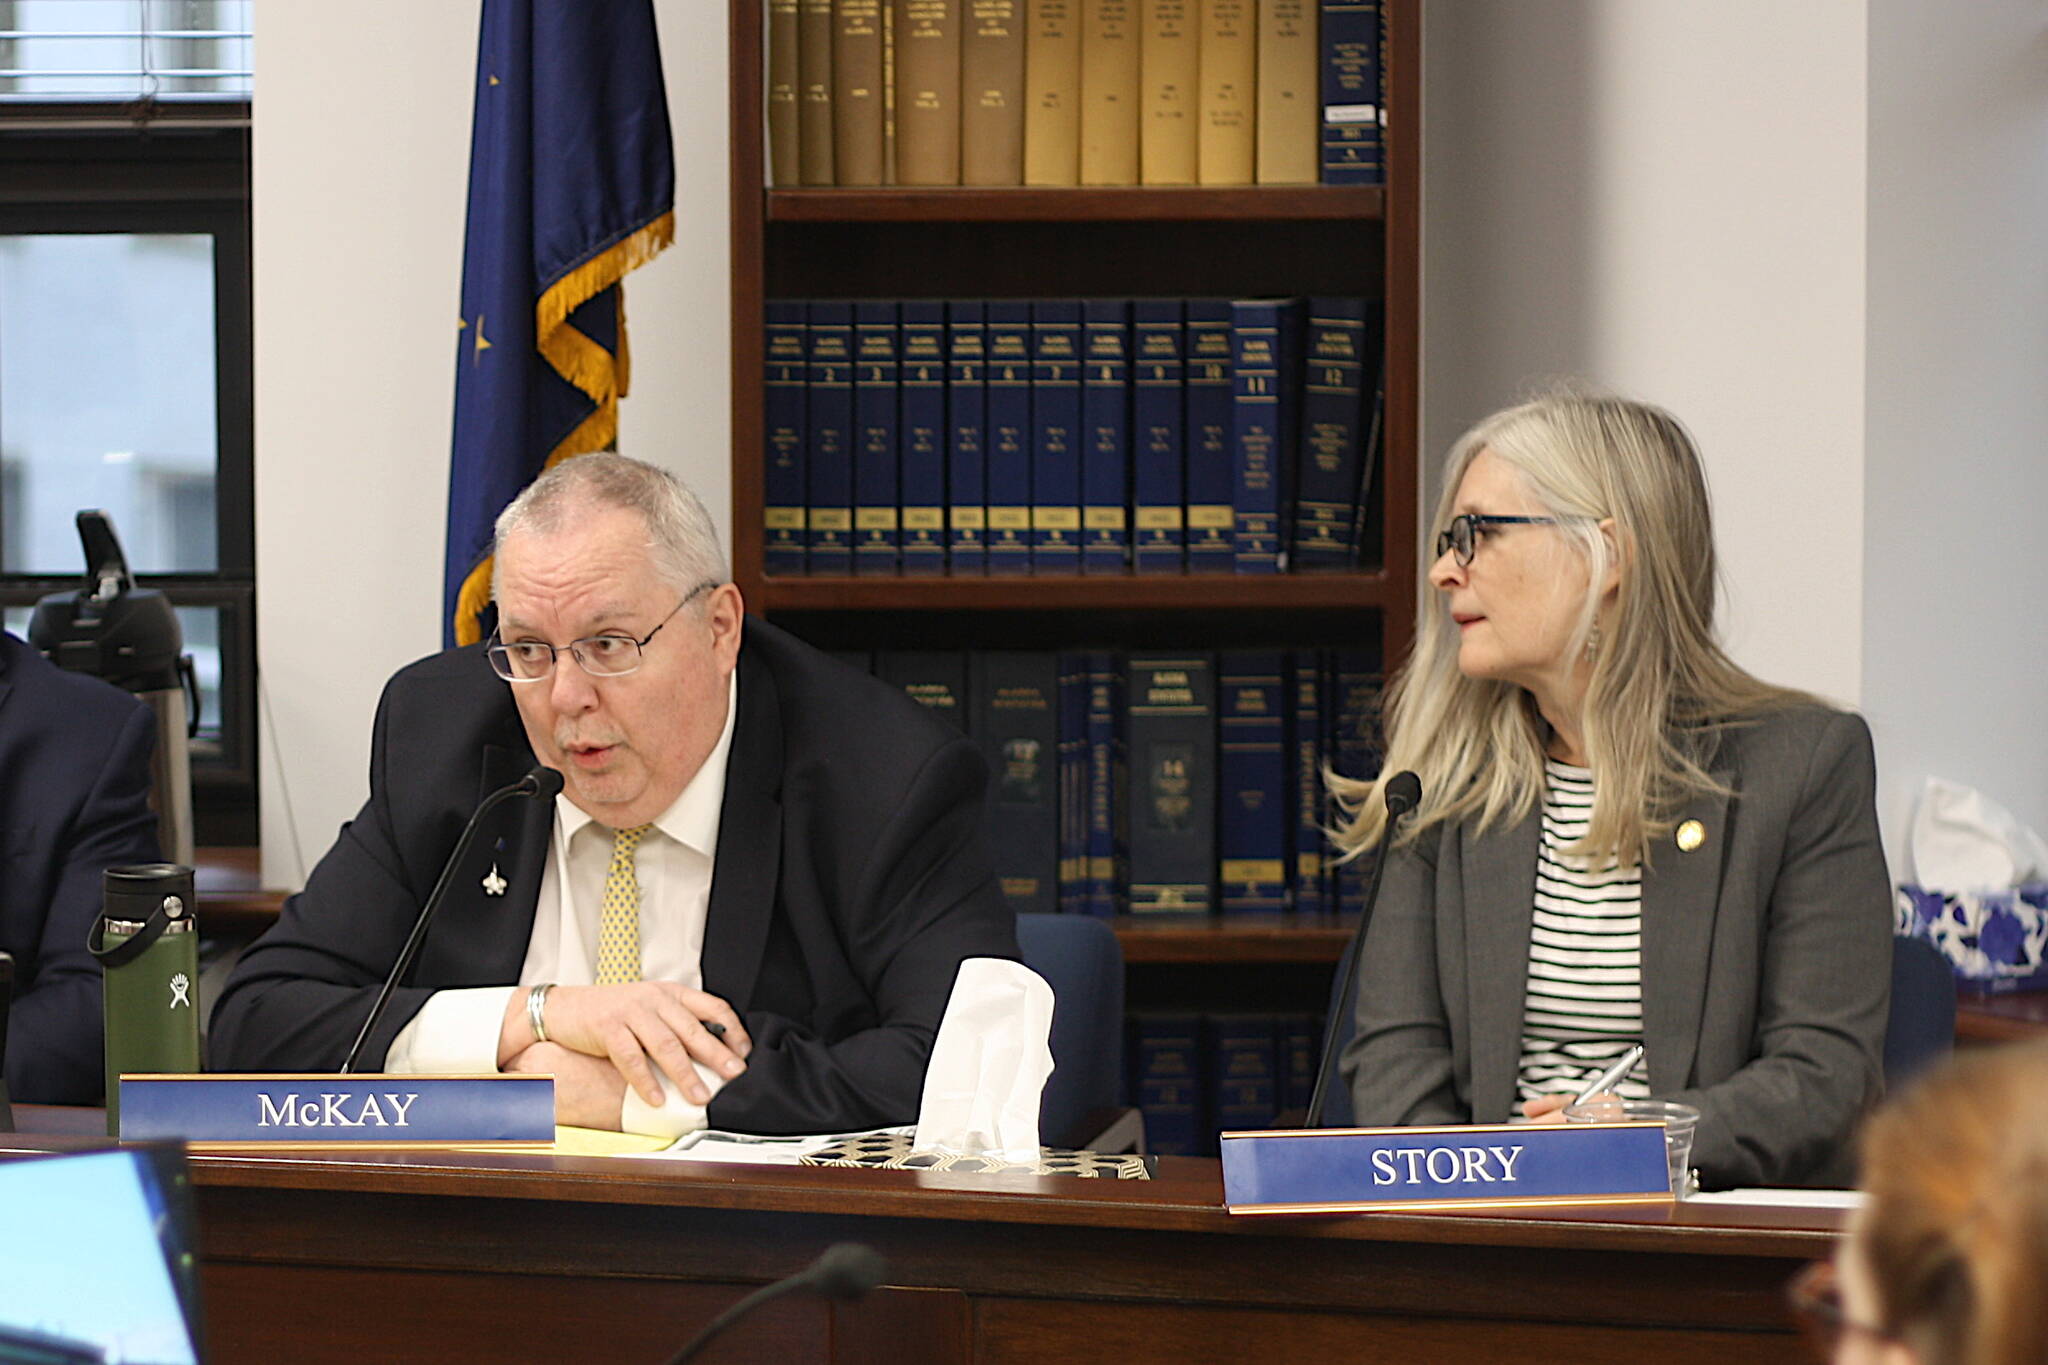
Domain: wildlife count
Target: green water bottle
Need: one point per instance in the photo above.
(148, 946)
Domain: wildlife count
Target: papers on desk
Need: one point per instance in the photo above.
(1783, 1199)
(747, 1149)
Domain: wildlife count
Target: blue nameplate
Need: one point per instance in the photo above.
(515, 1111)
(1479, 1166)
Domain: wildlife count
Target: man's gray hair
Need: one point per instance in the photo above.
(680, 537)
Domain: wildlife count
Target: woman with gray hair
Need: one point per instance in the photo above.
(1623, 838)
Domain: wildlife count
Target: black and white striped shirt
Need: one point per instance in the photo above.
(1584, 1006)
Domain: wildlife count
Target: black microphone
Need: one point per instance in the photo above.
(847, 1270)
(542, 782)
(1403, 793)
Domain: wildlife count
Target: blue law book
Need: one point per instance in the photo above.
(1170, 731)
(1209, 421)
(1165, 1084)
(1014, 696)
(966, 426)
(1007, 386)
(1367, 534)
(876, 488)
(1352, 704)
(1353, 91)
(1103, 837)
(828, 517)
(1292, 316)
(1056, 436)
(1255, 375)
(1299, 1042)
(1244, 1075)
(1328, 451)
(1305, 687)
(934, 679)
(785, 434)
(1158, 456)
(1254, 809)
(922, 443)
(1106, 435)
(1073, 781)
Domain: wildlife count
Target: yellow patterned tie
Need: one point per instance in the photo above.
(618, 927)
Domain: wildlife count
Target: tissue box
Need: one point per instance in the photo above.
(1996, 941)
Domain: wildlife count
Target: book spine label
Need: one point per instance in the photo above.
(934, 679)
(785, 77)
(1311, 798)
(828, 522)
(1159, 540)
(1052, 92)
(992, 93)
(876, 523)
(1211, 521)
(1352, 146)
(1290, 109)
(1165, 1082)
(966, 427)
(857, 91)
(1104, 839)
(1106, 435)
(1008, 390)
(1171, 727)
(1109, 92)
(1244, 1088)
(1055, 436)
(1169, 69)
(922, 438)
(1015, 701)
(1253, 834)
(1225, 143)
(785, 430)
(927, 38)
(1327, 454)
(814, 91)
(1255, 432)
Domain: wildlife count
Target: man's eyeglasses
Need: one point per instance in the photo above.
(1461, 537)
(1816, 1298)
(601, 656)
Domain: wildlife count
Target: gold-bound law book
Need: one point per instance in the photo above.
(927, 39)
(1229, 66)
(1052, 93)
(992, 93)
(1169, 64)
(783, 77)
(1289, 101)
(857, 92)
(814, 92)
(1109, 92)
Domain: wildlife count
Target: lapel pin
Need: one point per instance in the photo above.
(1691, 835)
(494, 885)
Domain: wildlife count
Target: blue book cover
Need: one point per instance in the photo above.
(1158, 456)
(1165, 1083)
(1255, 433)
(1300, 1042)
(1102, 871)
(1014, 700)
(1327, 451)
(922, 442)
(785, 434)
(1056, 436)
(1254, 809)
(1367, 533)
(1106, 435)
(1211, 521)
(1170, 728)
(876, 495)
(828, 517)
(1007, 386)
(1244, 1077)
(1073, 781)
(934, 679)
(966, 425)
(1355, 747)
(1353, 88)
(1311, 796)
(1293, 314)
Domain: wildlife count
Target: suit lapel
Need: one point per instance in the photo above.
(1500, 895)
(744, 874)
(510, 849)
(1681, 893)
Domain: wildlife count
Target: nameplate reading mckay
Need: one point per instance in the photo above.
(1499, 1166)
(514, 1111)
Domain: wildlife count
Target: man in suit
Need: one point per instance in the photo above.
(745, 909)
(74, 801)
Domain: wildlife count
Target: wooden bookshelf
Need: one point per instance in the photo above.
(1155, 204)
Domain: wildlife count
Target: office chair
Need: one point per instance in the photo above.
(1080, 959)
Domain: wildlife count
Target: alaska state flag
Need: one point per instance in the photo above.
(571, 185)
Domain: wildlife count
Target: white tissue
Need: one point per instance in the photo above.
(1962, 840)
(989, 1064)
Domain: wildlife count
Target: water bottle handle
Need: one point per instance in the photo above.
(139, 943)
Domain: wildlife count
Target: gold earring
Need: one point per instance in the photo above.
(1593, 641)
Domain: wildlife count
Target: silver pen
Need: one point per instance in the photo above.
(1612, 1075)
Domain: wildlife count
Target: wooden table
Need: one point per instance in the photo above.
(459, 1257)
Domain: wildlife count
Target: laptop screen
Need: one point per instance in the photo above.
(96, 1258)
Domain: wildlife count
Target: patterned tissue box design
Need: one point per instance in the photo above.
(893, 1151)
(1996, 941)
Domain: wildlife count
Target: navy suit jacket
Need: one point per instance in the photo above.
(74, 800)
(850, 881)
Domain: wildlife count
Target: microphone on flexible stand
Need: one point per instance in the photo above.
(1403, 793)
(847, 1270)
(543, 782)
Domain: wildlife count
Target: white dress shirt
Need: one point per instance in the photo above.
(457, 1030)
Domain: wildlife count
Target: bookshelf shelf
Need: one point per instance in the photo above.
(1120, 592)
(1287, 939)
(1180, 204)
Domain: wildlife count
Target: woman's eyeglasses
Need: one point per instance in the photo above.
(1461, 537)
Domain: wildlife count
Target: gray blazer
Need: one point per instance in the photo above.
(1766, 961)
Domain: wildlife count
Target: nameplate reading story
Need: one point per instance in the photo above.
(1480, 1166)
(514, 1112)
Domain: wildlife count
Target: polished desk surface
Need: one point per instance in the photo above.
(492, 1256)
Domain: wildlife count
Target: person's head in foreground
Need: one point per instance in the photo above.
(1947, 1263)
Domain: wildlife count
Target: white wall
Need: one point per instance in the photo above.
(360, 173)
